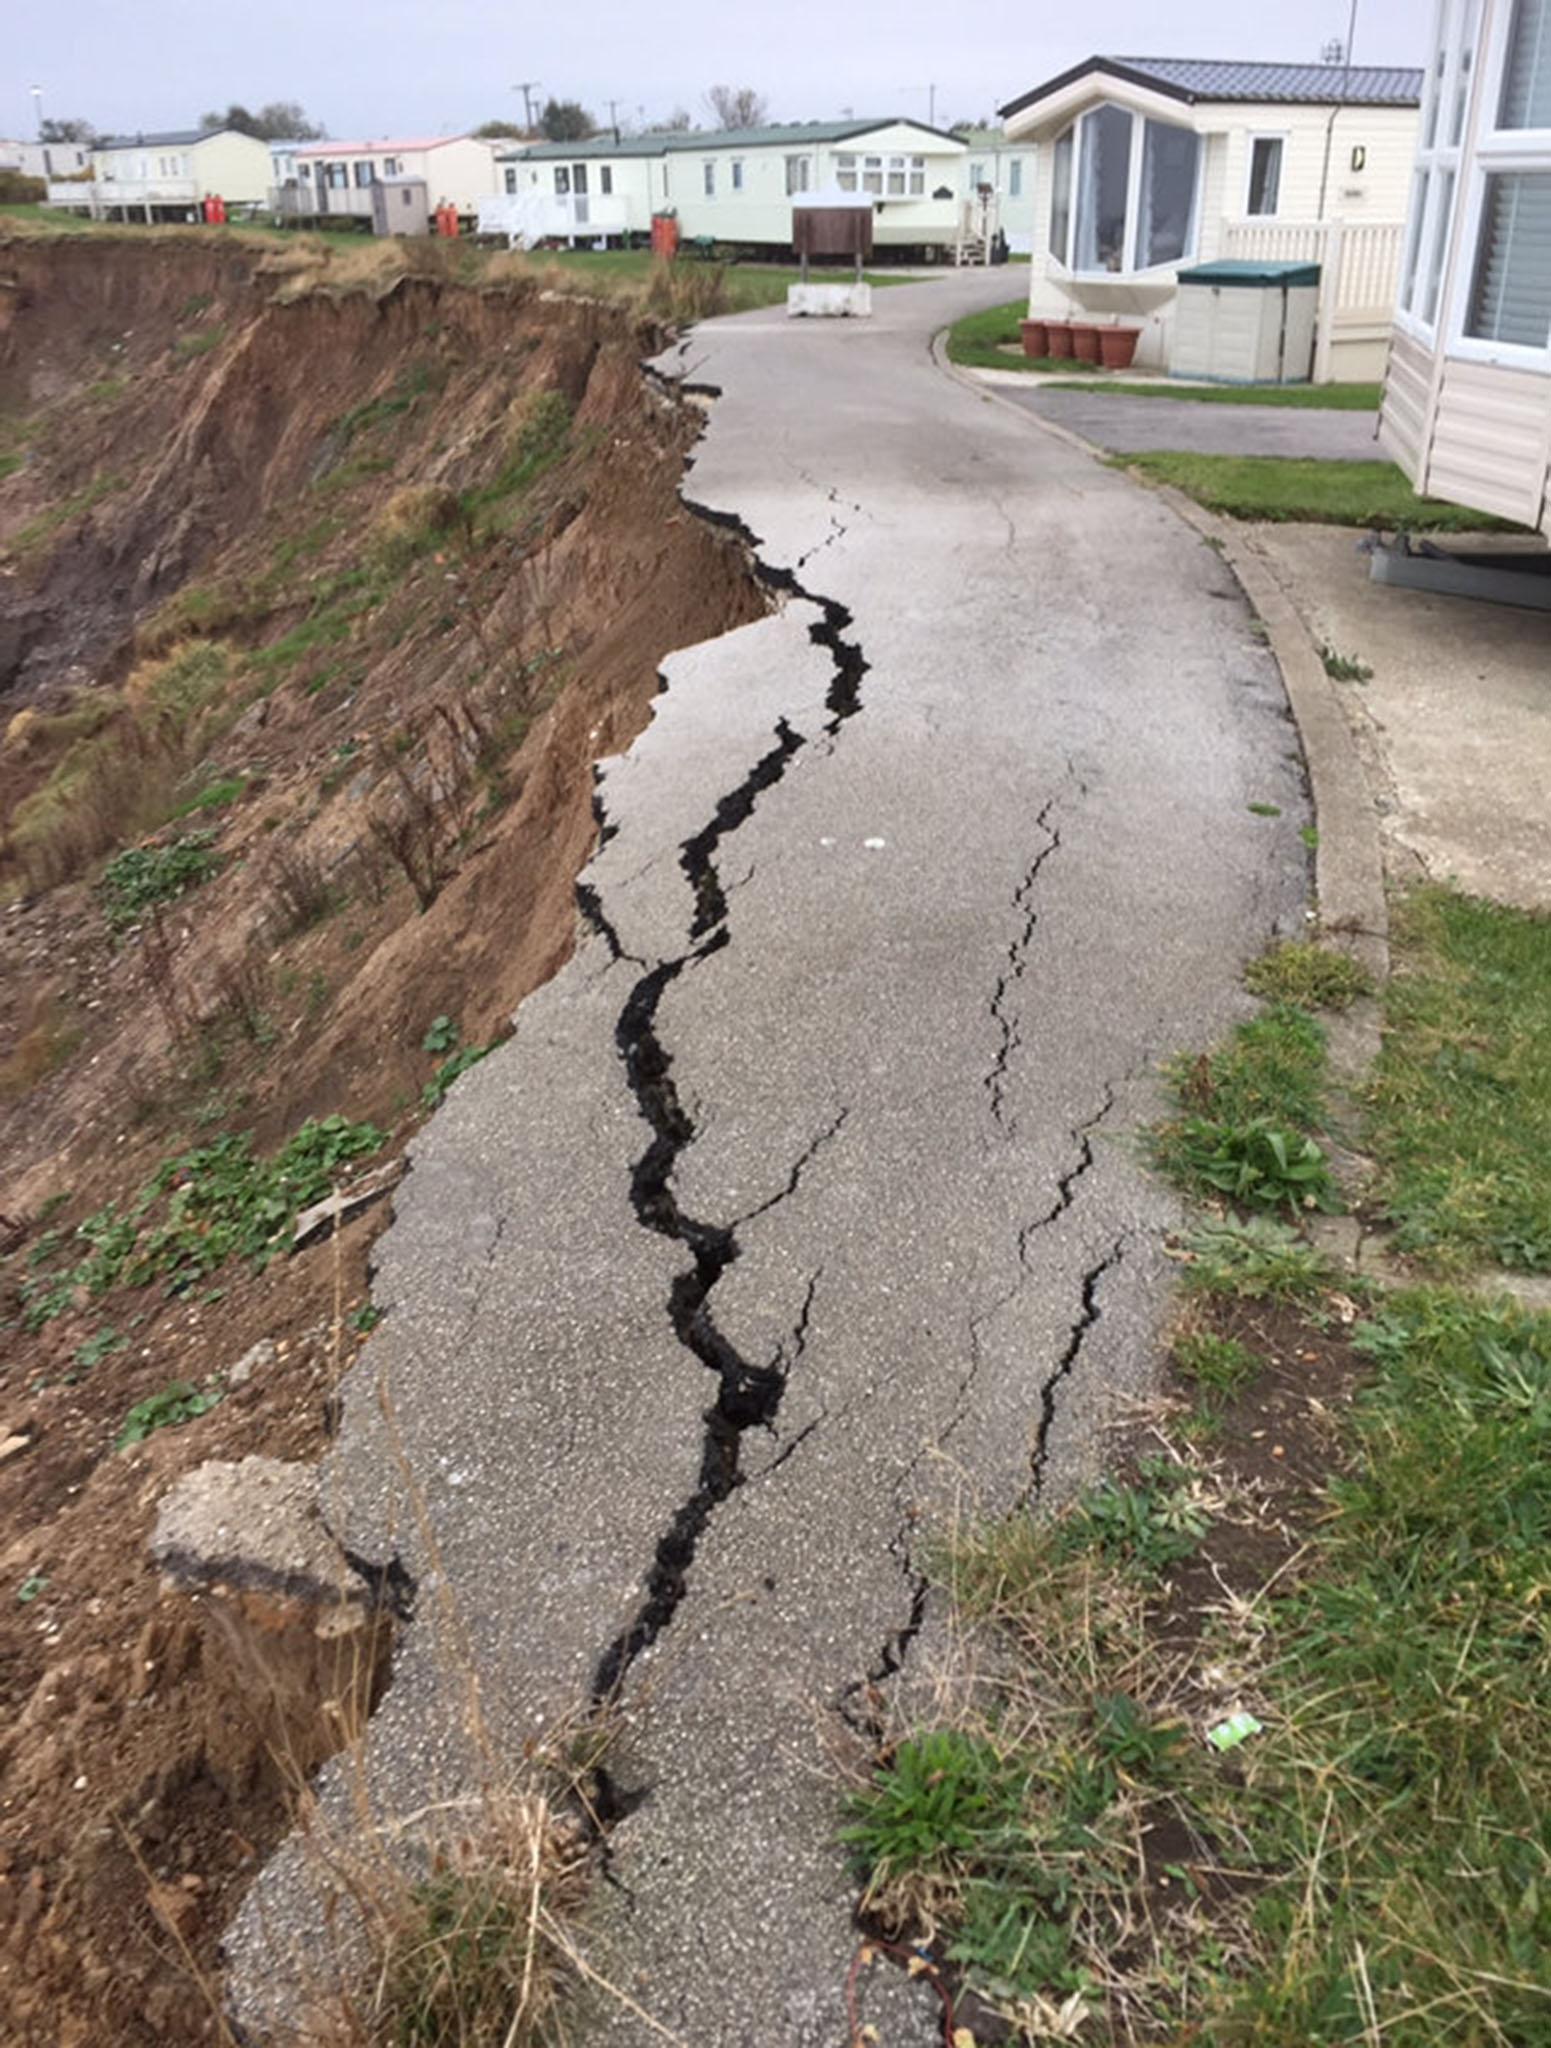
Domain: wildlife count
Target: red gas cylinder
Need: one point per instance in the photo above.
(665, 235)
(215, 210)
(447, 220)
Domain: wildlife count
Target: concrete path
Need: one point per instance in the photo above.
(805, 1205)
(1130, 425)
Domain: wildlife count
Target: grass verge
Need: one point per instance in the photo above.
(1247, 1744)
(1277, 487)
(1459, 1109)
(1297, 397)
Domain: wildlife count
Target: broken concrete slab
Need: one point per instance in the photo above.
(256, 1526)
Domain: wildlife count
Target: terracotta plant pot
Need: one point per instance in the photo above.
(1058, 338)
(1085, 342)
(1036, 338)
(1117, 346)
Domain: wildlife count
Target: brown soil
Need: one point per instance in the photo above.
(203, 463)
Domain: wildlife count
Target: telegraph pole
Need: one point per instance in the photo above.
(613, 107)
(527, 87)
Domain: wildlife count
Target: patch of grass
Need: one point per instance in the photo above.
(1246, 1119)
(1275, 487)
(177, 1403)
(1299, 397)
(9, 465)
(979, 339)
(215, 796)
(33, 535)
(541, 440)
(1262, 810)
(1459, 1107)
(187, 346)
(1310, 975)
(1344, 668)
(1246, 1113)
(1219, 1365)
(143, 876)
(1409, 1679)
(1374, 1863)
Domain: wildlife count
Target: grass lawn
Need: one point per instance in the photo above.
(1459, 1108)
(1327, 493)
(1257, 1754)
(980, 340)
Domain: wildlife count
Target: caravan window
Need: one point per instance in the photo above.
(1112, 214)
(605, 179)
(799, 174)
(708, 171)
(1526, 98)
(1510, 295)
(1265, 174)
(845, 173)
(872, 175)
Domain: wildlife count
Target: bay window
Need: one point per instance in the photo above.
(1124, 193)
(872, 175)
(1061, 195)
(845, 173)
(1494, 195)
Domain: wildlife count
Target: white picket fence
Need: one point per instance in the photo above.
(1359, 272)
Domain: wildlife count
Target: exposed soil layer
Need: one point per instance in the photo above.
(360, 586)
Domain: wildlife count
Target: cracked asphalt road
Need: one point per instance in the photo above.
(804, 1208)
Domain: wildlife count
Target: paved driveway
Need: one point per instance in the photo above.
(1129, 425)
(804, 1204)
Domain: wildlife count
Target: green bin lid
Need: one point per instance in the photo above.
(1255, 275)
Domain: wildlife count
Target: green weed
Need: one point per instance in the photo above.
(141, 877)
(1344, 668)
(200, 1208)
(176, 1404)
(1146, 1525)
(1257, 1259)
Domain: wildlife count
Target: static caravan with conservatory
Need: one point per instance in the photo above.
(1467, 402)
(335, 180)
(1149, 165)
(735, 187)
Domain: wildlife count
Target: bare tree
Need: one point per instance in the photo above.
(737, 106)
(676, 123)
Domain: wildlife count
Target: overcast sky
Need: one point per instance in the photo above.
(437, 66)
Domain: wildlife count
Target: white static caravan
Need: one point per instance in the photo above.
(1467, 402)
(1151, 165)
(999, 182)
(334, 180)
(167, 176)
(735, 187)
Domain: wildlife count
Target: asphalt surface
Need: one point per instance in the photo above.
(804, 1209)
(1130, 426)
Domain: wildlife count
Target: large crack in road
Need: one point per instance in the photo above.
(815, 1218)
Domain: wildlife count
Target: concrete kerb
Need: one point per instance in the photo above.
(1348, 863)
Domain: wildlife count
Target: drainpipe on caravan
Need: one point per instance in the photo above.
(1330, 125)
